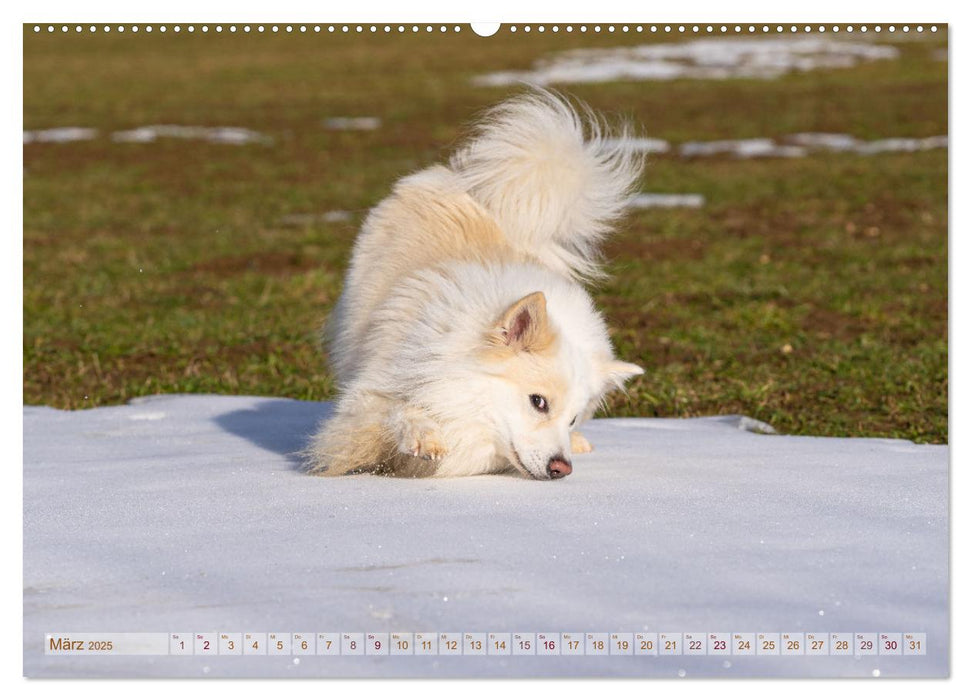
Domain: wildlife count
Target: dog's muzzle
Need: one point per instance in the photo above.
(558, 467)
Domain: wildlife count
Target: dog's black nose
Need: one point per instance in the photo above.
(558, 467)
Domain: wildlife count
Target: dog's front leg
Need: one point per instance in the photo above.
(418, 434)
(354, 438)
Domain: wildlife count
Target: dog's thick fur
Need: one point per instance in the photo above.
(463, 316)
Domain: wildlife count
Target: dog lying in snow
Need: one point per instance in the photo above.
(463, 342)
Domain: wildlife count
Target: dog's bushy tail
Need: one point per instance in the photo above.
(553, 176)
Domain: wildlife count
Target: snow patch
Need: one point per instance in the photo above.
(352, 123)
(641, 145)
(846, 143)
(684, 525)
(213, 134)
(64, 134)
(800, 145)
(902, 144)
(336, 215)
(755, 426)
(651, 200)
(700, 59)
(828, 142)
(741, 148)
(329, 217)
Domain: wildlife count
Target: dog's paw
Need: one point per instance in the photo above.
(424, 445)
(418, 435)
(579, 444)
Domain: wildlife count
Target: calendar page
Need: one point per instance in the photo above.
(634, 355)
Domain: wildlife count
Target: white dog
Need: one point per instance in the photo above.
(463, 342)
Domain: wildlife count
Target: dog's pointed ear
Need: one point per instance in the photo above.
(618, 372)
(524, 325)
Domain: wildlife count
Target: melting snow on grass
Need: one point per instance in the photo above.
(843, 142)
(799, 145)
(703, 59)
(794, 146)
(64, 134)
(742, 148)
(213, 134)
(653, 200)
(352, 123)
(329, 217)
(643, 145)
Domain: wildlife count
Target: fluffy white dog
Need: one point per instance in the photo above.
(463, 342)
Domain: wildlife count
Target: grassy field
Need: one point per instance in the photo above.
(810, 293)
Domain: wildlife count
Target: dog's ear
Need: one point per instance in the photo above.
(524, 326)
(618, 372)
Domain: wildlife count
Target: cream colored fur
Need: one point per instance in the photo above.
(463, 303)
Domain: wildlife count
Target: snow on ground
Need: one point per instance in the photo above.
(844, 142)
(641, 145)
(306, 219)
(741, 148)
(189, 513)
(797, 146)
(214, 134)
(655, 200)
(801, 144)
(149, 134)
(704, 59)
(65, 134)
(352, 123)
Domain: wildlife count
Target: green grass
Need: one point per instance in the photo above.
(809, 293)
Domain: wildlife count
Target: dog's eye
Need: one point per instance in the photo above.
(539, 403)
(573, 422)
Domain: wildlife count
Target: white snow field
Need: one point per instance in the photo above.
(190, 514)
(699, 59)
